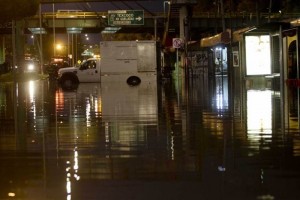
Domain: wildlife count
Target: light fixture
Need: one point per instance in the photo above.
(74, 30)
(111, 30)
(37, 30)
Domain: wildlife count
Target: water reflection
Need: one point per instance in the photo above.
(112, 141)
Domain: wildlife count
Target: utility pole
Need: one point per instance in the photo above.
(222, 15)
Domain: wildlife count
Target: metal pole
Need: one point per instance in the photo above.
(222, 14)
(53, 20)
(270, 11)
(41, 41)
(282, 82)
(14, 46)
(155, 28)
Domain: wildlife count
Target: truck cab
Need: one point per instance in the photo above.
(87, 72)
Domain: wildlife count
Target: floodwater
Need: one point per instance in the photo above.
(202, 139)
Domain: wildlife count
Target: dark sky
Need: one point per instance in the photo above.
(152, 6)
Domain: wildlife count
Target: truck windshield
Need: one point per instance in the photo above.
(90, 64)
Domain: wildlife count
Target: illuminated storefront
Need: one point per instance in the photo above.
(262, 56)
(258, 55)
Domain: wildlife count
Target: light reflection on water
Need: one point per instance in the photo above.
(114, 141)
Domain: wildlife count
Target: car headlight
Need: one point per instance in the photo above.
(30, 67)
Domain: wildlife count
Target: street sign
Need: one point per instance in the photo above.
(178, 43)
(125, 17)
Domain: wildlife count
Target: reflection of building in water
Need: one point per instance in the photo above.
(220, 101)
(126, 110)
(116, 117)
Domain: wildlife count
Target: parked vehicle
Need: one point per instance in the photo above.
(55, 64)
(29, 66)
(123, 61)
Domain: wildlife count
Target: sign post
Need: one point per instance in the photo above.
(125, 17)
(177, 44)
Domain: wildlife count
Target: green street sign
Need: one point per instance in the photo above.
(125, 17)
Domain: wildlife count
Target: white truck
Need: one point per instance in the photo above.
(123, 61)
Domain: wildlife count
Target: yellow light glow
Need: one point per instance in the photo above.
(11, 194)
(58, 46)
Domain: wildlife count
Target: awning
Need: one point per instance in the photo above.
(238, 34)
(221, 38)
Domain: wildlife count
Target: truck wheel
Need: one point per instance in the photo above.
(69, 83)
(133, 80)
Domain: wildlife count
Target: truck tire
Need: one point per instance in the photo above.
(133, 81)
(69, 82)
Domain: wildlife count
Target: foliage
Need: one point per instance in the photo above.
(291, 6)
(124, 36)
(18, 9)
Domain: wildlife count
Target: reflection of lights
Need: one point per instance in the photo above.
(31, 90)
(88, 113)
(221, 98)
(11, 194)
(172, 148)
(68, 187)
(70, 171)
(75, 160)
(106, 132)
(259, 117)
(59, 99)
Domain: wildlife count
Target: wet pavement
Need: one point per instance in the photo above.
(202, 139)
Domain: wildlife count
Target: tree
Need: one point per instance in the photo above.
(291, 6)
(18, 9)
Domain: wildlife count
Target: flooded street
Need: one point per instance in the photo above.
(202, 139)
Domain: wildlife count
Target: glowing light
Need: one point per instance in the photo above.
(258, 55)
(259, 117)
(31, 90)
(11, 194)
(58, 46)
(68, 187)
(30, 67)
(75, 167)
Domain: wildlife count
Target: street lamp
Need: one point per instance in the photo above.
(60, 49)
(166, 2)
(166, 22)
